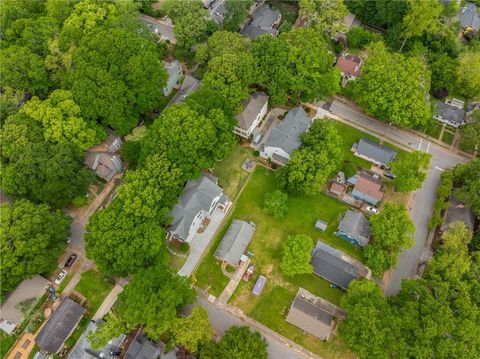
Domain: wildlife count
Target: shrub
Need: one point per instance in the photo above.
(79, 201)
(275, 204)
(184, 247)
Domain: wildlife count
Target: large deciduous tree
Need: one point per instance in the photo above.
(310, 166)
(410, 171)
(31, 239)
(152, 299)
(393, 87)
(189, 139)
(469, 74)
(276, 203)
(296, 253)
(193, 331)
(380, 13)
(221, 43)
(112, 327)
(392, 231)
(236, 12)
(128, 234)
(238, 343)
(466, 177)
(470, 140)
(324, 15)
(117, 76)
(444, 75)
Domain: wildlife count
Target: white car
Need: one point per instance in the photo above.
(373, 210)
(61, 276)
(257, 138)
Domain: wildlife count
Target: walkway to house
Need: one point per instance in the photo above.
(222, 300)
(200, 243)
(108, 303)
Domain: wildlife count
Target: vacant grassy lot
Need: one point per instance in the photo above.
(229, 172)
(448, 137)
(95, 288)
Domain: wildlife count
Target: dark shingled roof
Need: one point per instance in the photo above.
(59, 326)
(142, 348)
(449, 113)
(468, 16)
(375, 151)
(458, 212)
(310, 318)
(329, 263)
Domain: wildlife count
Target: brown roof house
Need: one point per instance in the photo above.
(349, 66)
(104, 160)
(337, 188)
(367, 188)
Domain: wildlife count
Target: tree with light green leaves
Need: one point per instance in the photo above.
(470, 140)
(276, 203)
(324, 15)
(193, 331)
(221, 43)
(392, 231)
(236, 12)
(466, 179)
(469, 74)
(393, 87)
(410, 171)
(421, 17)
(111, 327)
(31, 239)
(296, 254)
(153, 298)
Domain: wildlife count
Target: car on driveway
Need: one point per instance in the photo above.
(61, 276)
(69, 262)
(372, 210)
(257, 138)
(248, 273)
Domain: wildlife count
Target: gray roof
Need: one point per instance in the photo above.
(83, 349)
(142, 348)
(60, 326)
(251, 109)
(449, 113)
(458, 212)
(355, 225)
(28, 289)
(235, 241)
(287, 134)
(375, 151)
(468, 16)
(189, 85)
(330, 263)
(262, 22)
(197, 195)
(321, 225)
(310, 318)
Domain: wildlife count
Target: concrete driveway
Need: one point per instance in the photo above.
(422, 209)
(200, 243)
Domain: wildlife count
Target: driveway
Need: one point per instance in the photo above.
(222, 320)
(422, 208)
(200, 243)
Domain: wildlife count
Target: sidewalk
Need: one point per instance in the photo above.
(222, 300)
(108, 303)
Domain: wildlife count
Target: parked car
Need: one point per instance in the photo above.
(372, 210)
(70, 261)
(389, 175)
(257, 138)
(61, 276)
(248, 273)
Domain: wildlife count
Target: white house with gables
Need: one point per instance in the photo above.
(254, 110)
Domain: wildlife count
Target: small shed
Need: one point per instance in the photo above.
(321, 225)
(338, 188)
(258, 287)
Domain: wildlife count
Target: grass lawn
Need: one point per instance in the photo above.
(230, 173)
(287, 8)
(433, 129)
(448, 137)
(94, 287)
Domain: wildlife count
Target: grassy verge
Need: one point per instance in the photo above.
(94, 287)
(448, 137)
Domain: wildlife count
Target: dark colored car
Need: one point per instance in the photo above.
(70, 260)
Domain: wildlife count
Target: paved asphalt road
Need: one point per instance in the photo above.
(221, 321)
(424, 197)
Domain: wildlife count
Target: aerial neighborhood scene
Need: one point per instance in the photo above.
(240, 179)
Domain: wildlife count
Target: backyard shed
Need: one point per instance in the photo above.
(60, 326)
(258, 287)
(321, 225)
(235, 242)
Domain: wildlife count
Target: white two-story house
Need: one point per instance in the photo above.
(286, 136)
(254, 110)
(198, 201)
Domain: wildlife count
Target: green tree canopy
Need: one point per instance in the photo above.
(31, 239)
(410, 171)
(152, 299)
(62, 122)
(296, 254)
(276, 203)
(444, 74)
(466, 177)
(310, 166)
(190, 20)
(112, 327)
(128, 234)
(393, 87)
(221, 43)
(380, 13)
(117, 76)
(190, 140)
(236, 12)
(324, 15)
(469, 74)
(359, 37)
(193, 331)
(470, 139)
(392, 231)
(23, 70)
(238, 343)
(11, 11)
